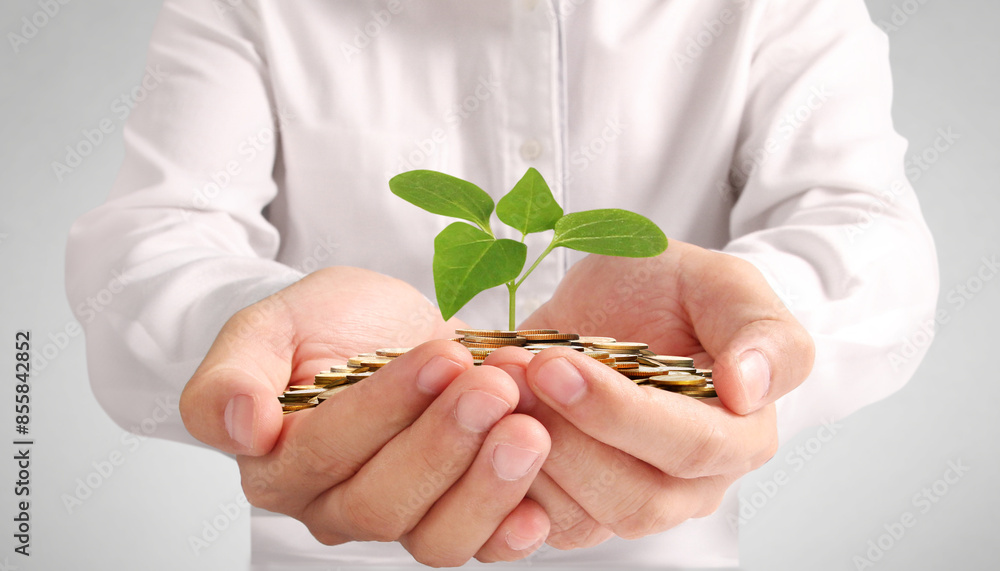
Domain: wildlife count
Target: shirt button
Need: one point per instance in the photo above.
(531, 150)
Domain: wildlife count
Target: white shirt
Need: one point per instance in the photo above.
(759, 128)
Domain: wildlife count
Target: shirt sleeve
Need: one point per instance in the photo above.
(181, 244)
(825, 210)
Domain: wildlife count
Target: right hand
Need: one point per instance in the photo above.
(425, 452)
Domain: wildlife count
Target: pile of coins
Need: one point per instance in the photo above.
(633, 360)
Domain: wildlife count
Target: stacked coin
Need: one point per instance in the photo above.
(633, 360)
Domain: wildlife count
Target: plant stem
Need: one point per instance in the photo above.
(513, 285)
(512, 320)
(551, 247)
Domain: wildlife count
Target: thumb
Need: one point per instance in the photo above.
(230, 402)
(760, 351)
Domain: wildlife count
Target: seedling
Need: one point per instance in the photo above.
(469, 259)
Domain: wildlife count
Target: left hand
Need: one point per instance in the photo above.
(632, 461)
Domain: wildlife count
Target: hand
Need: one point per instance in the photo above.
(631, 460)
(425, 451)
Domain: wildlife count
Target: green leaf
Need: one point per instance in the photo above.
(611, 232)
(446, 195)
(529, 206)
(468, 261)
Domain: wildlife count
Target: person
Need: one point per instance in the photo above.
(259, 244)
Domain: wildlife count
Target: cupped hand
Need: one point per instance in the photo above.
(629, 460)
(426, 451)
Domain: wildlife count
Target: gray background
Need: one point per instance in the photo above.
(945, 58)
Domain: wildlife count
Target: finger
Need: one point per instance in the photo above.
(522, 532)
(620, 492)
(761, 351)
(325, 445)
(393, 491)
(571, 526)
(676, 434)
(514, 361)
(230, 403)
(465, 518)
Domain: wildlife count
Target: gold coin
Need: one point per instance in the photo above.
(307, 393)
(329, 393)
(626, 365)
(703, 392)
(523, 332)
(395, 352)
(359, 376)
(482, 352)
(642, 371)
(330, 379)
(678, 380)
(599, 355)
(621, 346)
(673, 361)
(375, 362)
(589, 341)
(543, 346)
(486, 332)
(670, 368)
(551, 336)
(503, 341)
(295, 407)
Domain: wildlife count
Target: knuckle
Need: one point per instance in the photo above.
(259, 491)
(366, 520)
(709, 505)
(326, 536)
(709, 451)
(432, 555)
(320, 455)
(654, 515)
(573, 528)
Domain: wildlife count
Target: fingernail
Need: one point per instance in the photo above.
(527, 399)
(478, 411)
(512, 463)
(518, 543)
(755, 373)
(562, 381)
(239, 420)
(436, 374)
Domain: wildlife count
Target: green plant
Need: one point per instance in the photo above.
(470, 259)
